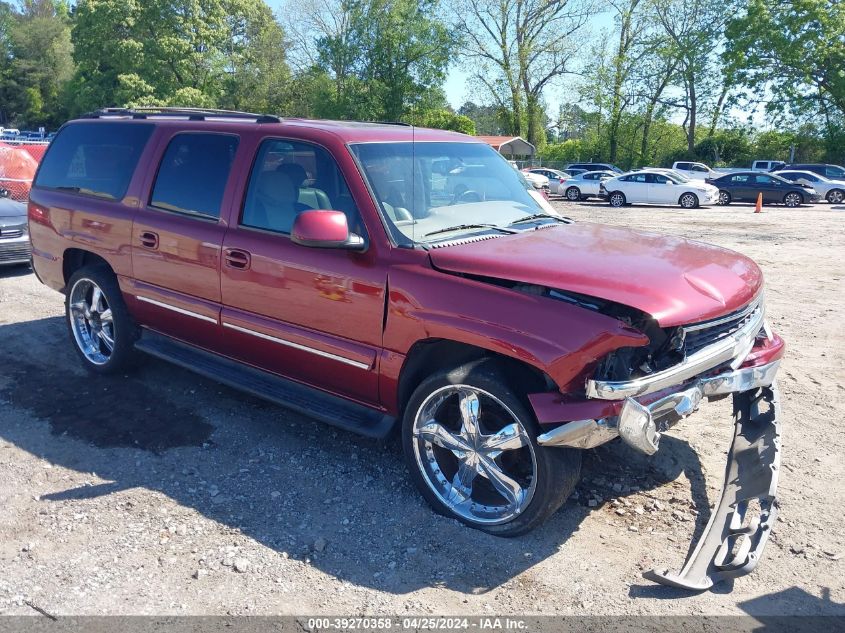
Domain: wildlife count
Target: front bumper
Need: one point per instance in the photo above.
(732, 544)
(16, 250)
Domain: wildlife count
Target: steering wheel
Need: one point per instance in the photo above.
(470, 195)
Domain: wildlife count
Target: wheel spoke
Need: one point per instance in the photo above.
(470, 409)
(436, 433)
(106, 316)
(462, 483)
(504, 484)
(96, 296)
(106, 339)
(509, 438)
(78, 308)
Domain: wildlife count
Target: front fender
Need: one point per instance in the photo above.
(558, 338)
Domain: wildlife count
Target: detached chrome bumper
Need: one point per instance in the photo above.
(733, 541)
(640, 423)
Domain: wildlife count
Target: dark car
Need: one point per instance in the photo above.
(834, 172)
(745, 186)
(329, 267)
(596, 167)
(14, 233)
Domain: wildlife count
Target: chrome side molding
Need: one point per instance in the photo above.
(173, 308)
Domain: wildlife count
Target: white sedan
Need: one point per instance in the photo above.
(557, 178)
(538, 181)
(651, 187)
(586, 185)
(832, 190)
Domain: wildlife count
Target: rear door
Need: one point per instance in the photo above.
(773, 191)
(741, 187)
(636, 187)
(178, 233)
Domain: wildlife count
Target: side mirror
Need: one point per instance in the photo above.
(320, 228)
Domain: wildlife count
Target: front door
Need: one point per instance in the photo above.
(314, 315)
(177, 235)
(661, 190)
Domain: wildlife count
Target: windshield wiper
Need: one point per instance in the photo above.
(460, 227)
(541, 216)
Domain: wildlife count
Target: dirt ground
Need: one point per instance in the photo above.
(163, 493)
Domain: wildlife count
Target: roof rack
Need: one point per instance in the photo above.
(193, 114)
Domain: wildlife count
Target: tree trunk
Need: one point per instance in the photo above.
(693, 113)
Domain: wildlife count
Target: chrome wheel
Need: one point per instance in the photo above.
(617, 199)
(792, 199)
(91, 321)
(573, 194)
(474, 454)
(836, 196)
(689, 201)
(724, 198)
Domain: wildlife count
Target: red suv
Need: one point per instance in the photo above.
(378, 276)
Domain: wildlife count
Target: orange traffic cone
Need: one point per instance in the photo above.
(759, 207)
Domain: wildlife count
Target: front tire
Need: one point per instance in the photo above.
(102, 332)
(836, 196)
(617, 199)
(688, 201)
(573, 194)
(793, 199)
(471, 447)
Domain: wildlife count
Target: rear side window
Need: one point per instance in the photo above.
(96, 159)
(193, 174)
(684, 166)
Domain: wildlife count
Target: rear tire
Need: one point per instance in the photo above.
(467, 436)
(793, 199)
(100, 327)
(617, 199)
(688, 201)
(836, 196)
(724, 198)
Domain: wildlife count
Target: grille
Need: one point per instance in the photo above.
(701, 335)
(8, 234)
(17, 252)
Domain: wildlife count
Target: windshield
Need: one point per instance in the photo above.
(426, 188)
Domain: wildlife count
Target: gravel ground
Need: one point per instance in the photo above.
(164, 493)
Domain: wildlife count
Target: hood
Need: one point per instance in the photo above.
(12, 208)
(676, 281)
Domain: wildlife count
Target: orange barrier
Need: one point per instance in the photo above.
(18, 164)
(759, 207)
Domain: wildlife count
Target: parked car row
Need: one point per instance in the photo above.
(690, 184)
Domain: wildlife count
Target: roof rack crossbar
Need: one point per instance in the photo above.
(193, 114)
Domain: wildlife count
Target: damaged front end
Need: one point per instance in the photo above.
(637, 394)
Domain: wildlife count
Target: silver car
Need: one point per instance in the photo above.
(14, 232)
(831, 190)
(586, 185)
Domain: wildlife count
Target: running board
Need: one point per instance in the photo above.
(287, 393)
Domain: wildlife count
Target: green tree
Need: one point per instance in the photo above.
(183, 52)
(792, 53)
(379, 59)
(35, 62)
(442, 119)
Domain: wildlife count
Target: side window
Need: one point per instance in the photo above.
(809, 177)
(740, 179)
(699, 167)
(763, 180)
(193, 173)
(640, 178)
(97, 159)
(760, 164)
(660, 180)
(684, 166)
(289, 177)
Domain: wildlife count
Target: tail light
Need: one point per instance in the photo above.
(38, 214)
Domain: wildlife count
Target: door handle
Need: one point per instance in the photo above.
(149, 239)
(236, 258)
